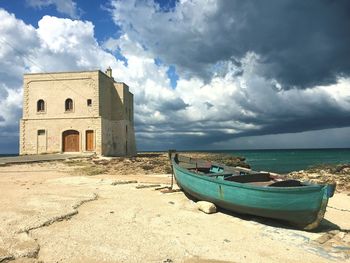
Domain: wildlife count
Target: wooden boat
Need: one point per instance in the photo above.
(245, 191)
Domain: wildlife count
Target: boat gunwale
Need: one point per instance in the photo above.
(310, 187)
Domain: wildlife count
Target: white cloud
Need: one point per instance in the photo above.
(15, 38)
(68, 7)
(235, 101)
(10, 103)
(27, 49)
(175, 35)
(71, 44)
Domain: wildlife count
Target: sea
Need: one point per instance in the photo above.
(286, 160)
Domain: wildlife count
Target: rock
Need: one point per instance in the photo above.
(124, 182)
(341, 235)
(314, 176)
(324, 238)
(24, 246)
(325, 175)
(206, 207)
(346, 170)
(5, 255)
(346, 238)
(147, 186)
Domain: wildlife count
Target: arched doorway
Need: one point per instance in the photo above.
(70, 141)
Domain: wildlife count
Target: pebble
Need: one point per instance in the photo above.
(206, 207)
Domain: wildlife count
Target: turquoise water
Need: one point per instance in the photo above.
(284, 161)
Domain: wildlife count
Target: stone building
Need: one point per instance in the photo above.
(77, 112)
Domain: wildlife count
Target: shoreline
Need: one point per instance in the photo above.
(282, 161)
(158, 162)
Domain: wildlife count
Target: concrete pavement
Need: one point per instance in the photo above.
(41, 157)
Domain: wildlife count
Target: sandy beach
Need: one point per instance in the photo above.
(83, 211)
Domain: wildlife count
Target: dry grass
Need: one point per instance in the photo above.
(91, 170)
(79, 162)
(143, 163)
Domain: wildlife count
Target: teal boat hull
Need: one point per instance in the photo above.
(302, 206)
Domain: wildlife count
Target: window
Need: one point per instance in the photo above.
(40, 106)
(69, 105)
(89, 102)
(41, 132)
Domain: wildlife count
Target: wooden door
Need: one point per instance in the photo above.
(41, 141)
(90, 141)
(70, 140)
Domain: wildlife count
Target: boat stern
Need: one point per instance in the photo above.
(331, 190)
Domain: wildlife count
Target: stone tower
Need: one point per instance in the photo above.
(86, 111)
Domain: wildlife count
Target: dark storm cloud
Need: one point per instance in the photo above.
(173, 105)
(300, 43)
(9, 144)
(182, 134)
(294, 125)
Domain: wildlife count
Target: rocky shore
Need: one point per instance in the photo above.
(158, 163)
(329, 174)
(145, 163)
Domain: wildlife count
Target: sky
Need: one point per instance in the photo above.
(205, 74)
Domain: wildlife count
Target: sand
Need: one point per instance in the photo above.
(49, 212)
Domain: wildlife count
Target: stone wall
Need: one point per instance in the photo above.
(53, 134)
(116, 107)
(118, 138)
(55, 88)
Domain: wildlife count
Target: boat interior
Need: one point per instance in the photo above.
(234, 174)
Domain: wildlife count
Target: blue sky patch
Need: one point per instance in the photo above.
(171, 72)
